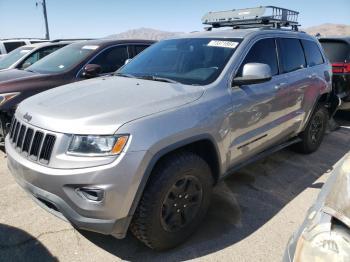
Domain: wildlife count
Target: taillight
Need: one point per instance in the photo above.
(341, 68)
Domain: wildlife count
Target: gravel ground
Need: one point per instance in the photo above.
(252, 216)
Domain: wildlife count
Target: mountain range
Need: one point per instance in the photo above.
(154, 34)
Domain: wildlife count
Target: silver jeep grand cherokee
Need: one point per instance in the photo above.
(143, 148)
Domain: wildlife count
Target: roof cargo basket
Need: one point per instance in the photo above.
(263, 16)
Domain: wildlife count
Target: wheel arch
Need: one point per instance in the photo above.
(203, 145)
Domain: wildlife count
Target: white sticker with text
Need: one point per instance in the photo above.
(90, 47)
(224, 44)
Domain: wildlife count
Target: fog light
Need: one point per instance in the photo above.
(92, 194)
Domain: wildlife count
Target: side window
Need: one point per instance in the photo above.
(291, 54)
(140, 48)
(36, 56)
(263, 51)
(312, 53)
(9, 46)
(111, 59)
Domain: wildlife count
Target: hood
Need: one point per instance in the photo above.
(337, 201)
(102, 105)
(7, 75)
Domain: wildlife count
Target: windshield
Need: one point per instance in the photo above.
(197, 61)
(63, 59)
(14, 56)
(336, 51)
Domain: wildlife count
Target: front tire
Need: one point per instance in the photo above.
(174, 202)
(314, 132)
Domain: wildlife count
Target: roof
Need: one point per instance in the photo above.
(44, 44)
(239, 33)
(109, 41)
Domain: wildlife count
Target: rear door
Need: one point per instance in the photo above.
(297, 79)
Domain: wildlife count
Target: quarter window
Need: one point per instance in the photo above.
(13, 45)
(111, 59)
(291, 54)
(263, 51)
(312, 53)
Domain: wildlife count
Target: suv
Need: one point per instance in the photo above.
(75, 62)
(8, 45)
(144, 147)
(337, 49)
(25, 56)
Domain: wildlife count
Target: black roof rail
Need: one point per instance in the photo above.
(70, 39)
(257, 17)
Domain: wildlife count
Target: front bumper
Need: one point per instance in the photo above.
(56, 190)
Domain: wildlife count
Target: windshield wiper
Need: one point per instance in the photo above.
(124, 75)
(160, 79)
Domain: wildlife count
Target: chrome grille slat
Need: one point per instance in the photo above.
(35, 148)
(21, 136)
(15, 135)
(32, 142)
(27, 140)
(12, 124)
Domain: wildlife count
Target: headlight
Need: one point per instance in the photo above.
(324, 245)
(7, 96)
(92, 145)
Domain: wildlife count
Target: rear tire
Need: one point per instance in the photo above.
(314, 132)
(174, 202)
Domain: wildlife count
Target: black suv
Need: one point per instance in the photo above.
(337, 50)
(75, 62)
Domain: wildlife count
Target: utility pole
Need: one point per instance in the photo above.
(47, 35)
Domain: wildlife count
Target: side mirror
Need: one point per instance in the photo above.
(253, 73)
(127, 61)
(91, 70)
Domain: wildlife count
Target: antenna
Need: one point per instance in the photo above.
(43, 3)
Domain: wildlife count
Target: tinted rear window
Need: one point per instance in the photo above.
(312, 53)
(292, 54)
(336, 51)
(12, 45)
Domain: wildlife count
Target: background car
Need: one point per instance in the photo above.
(71, 63)
(325, 232)
(25, 56)
(8, 45)
(337, 50)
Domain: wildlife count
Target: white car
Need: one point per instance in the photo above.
(27, 55)
(7, 45)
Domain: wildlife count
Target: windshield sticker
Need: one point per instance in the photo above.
(224, 44)
(90, 47)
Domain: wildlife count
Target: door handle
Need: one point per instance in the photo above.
(313, 75)
(279, 86)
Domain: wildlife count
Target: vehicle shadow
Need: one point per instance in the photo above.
(17, 245)
(243, 203)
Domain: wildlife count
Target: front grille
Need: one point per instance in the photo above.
(35, 144)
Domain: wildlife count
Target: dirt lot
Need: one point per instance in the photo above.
(251, 218)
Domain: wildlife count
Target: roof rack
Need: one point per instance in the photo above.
(262, 16)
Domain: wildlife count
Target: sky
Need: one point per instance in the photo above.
(99, 18)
